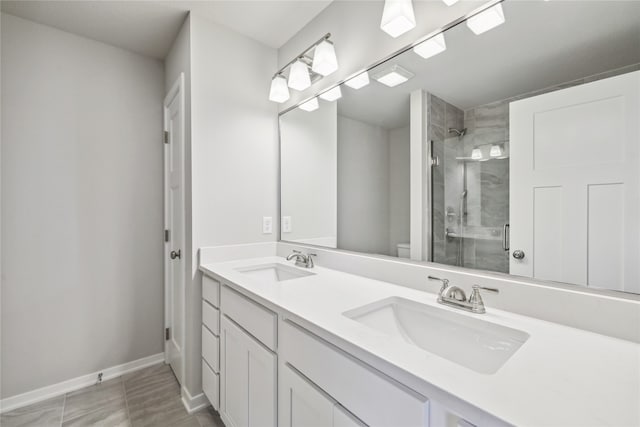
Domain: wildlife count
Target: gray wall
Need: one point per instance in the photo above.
(399, 220)
(82, 275)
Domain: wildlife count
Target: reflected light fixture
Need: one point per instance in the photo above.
(332, 94)
(310, 105)
(324, 59)
(397, 17)
(359, 81)
(450, 2)
(299, 78)
(486, 20)
(431, 47)
(279, 91)
(496, 151)
(476, 154)
(393, 76)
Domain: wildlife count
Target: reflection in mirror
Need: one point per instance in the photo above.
(525, 142)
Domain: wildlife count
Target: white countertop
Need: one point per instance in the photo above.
(561, 376)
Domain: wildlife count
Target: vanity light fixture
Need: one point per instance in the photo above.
(324, 59)
(476, 154)
(315, 62)
(393, 76)
(431, 47)
(279, 90)
(450, 2)
(397, 17)
(299, 78)
(332, 94)
(486, 20)
(310, 105)
(496, 151)
(359, 81)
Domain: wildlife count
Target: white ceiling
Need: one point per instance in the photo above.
(149, 27)
(542, 44)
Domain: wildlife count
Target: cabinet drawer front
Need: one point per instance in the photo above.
(210, 349)
(211, 290)
(254, 318)
(211, 385)
(374, 398)
(211, 317)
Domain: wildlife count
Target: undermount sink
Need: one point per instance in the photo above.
(274, 272)
(468, 341)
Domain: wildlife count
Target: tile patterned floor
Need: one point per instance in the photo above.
(149, 397)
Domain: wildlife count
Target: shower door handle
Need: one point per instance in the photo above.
(505, 237)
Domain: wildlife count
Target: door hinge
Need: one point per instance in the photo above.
(167, 334)
(166, 137)
(166, 235)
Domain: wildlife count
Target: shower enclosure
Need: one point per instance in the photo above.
(468, 195)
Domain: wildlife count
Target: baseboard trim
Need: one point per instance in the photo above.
(44, 393)
(193, 403)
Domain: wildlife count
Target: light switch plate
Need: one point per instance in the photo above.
(286, 224)
(267, 225)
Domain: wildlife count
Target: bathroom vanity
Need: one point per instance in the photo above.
(300, 347)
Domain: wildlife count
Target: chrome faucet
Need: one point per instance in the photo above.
(454, 296)
(302, 260)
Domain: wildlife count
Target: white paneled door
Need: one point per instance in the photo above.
(575, 184)
(174, 234)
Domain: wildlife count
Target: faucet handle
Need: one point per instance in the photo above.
(478, 288)
(310, 260)
(477, 304)
(444, 281)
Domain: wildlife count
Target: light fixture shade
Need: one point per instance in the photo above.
(359, 81)
(332, 94)
(476, 154)
(393, 76)
(486, 20)
(496, 151)
(450, 2)
(299, 78)
(310, 105)
(279, 91)
(431, 47)
(397, 17)
(324, 59)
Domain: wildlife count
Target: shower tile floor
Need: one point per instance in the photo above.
(149, 397)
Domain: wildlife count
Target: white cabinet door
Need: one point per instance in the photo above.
(575, 184)
(247, 379)
(342, 418)
(301, 403)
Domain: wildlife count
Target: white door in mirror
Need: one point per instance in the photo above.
(575, 184)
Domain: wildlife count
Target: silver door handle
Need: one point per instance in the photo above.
(518, 254)
(505, 237)
(175, 254)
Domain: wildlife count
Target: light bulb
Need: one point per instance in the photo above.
(324, 59)
(332, 94)
(310, 105)
(397, 17)
(431, 47)
(279, 91)
(486, 20)
(393, 76)
(299, 76)
(450, 2)
(359, 81)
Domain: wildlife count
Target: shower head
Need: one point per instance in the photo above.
(459, 132)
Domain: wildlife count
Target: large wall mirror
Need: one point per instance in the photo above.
(515, 151)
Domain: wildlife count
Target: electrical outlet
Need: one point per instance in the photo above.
(286, 224)
(267, 225)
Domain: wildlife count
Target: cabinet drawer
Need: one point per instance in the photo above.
(374, 398)
(210, 349)
(254, 318)
(211, 290)
(211, 317)
(211, 385)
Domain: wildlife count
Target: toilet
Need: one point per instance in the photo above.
(404, 250)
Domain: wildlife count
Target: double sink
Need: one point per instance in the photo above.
(464, 339)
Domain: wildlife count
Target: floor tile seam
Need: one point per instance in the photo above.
(63, 420)
(126, 404)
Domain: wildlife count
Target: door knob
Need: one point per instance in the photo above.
(175, 254)
(518, 254)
